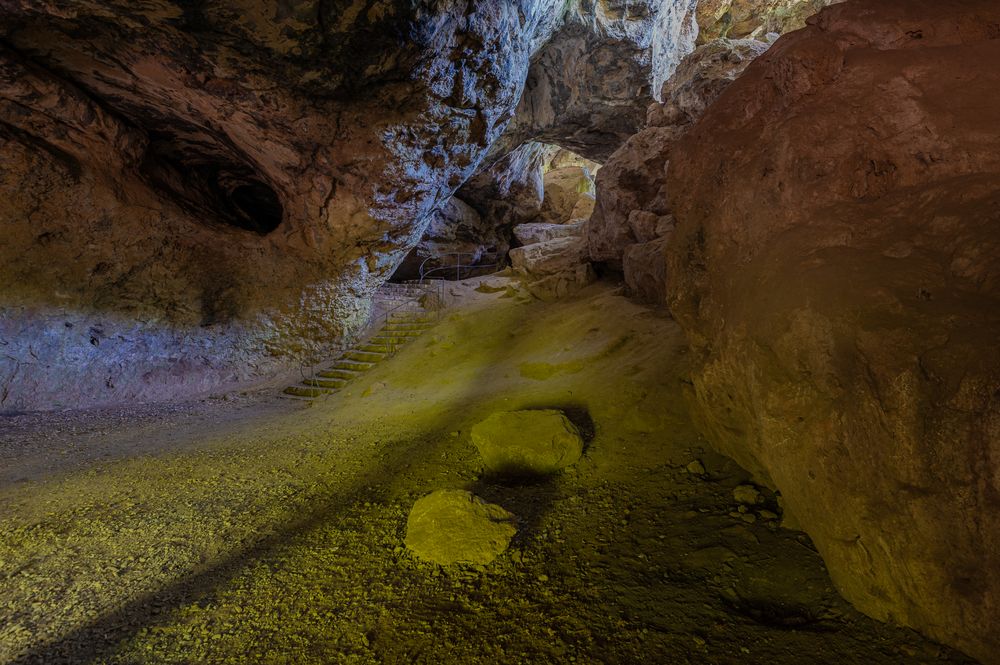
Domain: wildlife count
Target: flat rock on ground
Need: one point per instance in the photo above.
(534, 443)
(455, 526)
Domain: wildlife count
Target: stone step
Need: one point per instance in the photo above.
(406, 322)
(416, 317)
(303, 391)
(325, 383)
(345, 374)
(391, 341)
(375, 347)
(404, 334)
(353, 365)
(364, 356)
(405, 327)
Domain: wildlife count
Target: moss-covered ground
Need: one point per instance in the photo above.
(270, 531)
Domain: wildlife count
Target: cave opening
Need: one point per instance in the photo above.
(219, 184)
(547, 193)
(257, 207)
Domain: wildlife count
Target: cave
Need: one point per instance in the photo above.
(634, 331)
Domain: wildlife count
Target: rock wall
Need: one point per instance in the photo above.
(632, 206)
(738, 19)
(457, 237)
(588, 87)
(202, 193)
(836, 265)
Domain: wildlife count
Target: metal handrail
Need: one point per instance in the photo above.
(458, 264)
(393, 348)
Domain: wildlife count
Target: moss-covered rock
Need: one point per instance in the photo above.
(455, 526)
(527, 443)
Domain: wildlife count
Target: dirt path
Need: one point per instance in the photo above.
(259, 530)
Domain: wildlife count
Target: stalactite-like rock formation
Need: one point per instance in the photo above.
(836, 264)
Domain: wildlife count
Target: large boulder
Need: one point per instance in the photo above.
(527, 443)
(554, 268)
(836, 266)
(584, 207)
(454, 526)
(632, 180)
(645, 269)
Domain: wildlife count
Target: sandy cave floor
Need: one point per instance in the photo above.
(256, 529)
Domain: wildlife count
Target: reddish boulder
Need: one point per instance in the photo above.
(836, 265)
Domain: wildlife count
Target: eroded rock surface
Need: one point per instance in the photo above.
(457, 237)
(553, 268)
(527, 443)
(632, 204)
(753, 18)
(836, 264)
(588, 88)
(454, 526)
(197, 195)
(569, 195)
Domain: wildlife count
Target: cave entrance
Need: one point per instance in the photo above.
(538, 192)
(257, 207)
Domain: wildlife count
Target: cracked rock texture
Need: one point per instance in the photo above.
(753, 18)
(836, 266)
(569, 195)
(457, 236)
(588, 87)
(197, 194)
(632, 205)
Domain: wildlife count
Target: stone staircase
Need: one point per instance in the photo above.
(404, 319)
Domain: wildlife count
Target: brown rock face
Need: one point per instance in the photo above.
(568, 191)
(753, 18)
(631, 199)
(837, 264)
(588, 87)
(199, 193)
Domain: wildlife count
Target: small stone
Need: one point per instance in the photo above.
(696, 468)
(749, 518)
(767, 515)
(747, 495)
